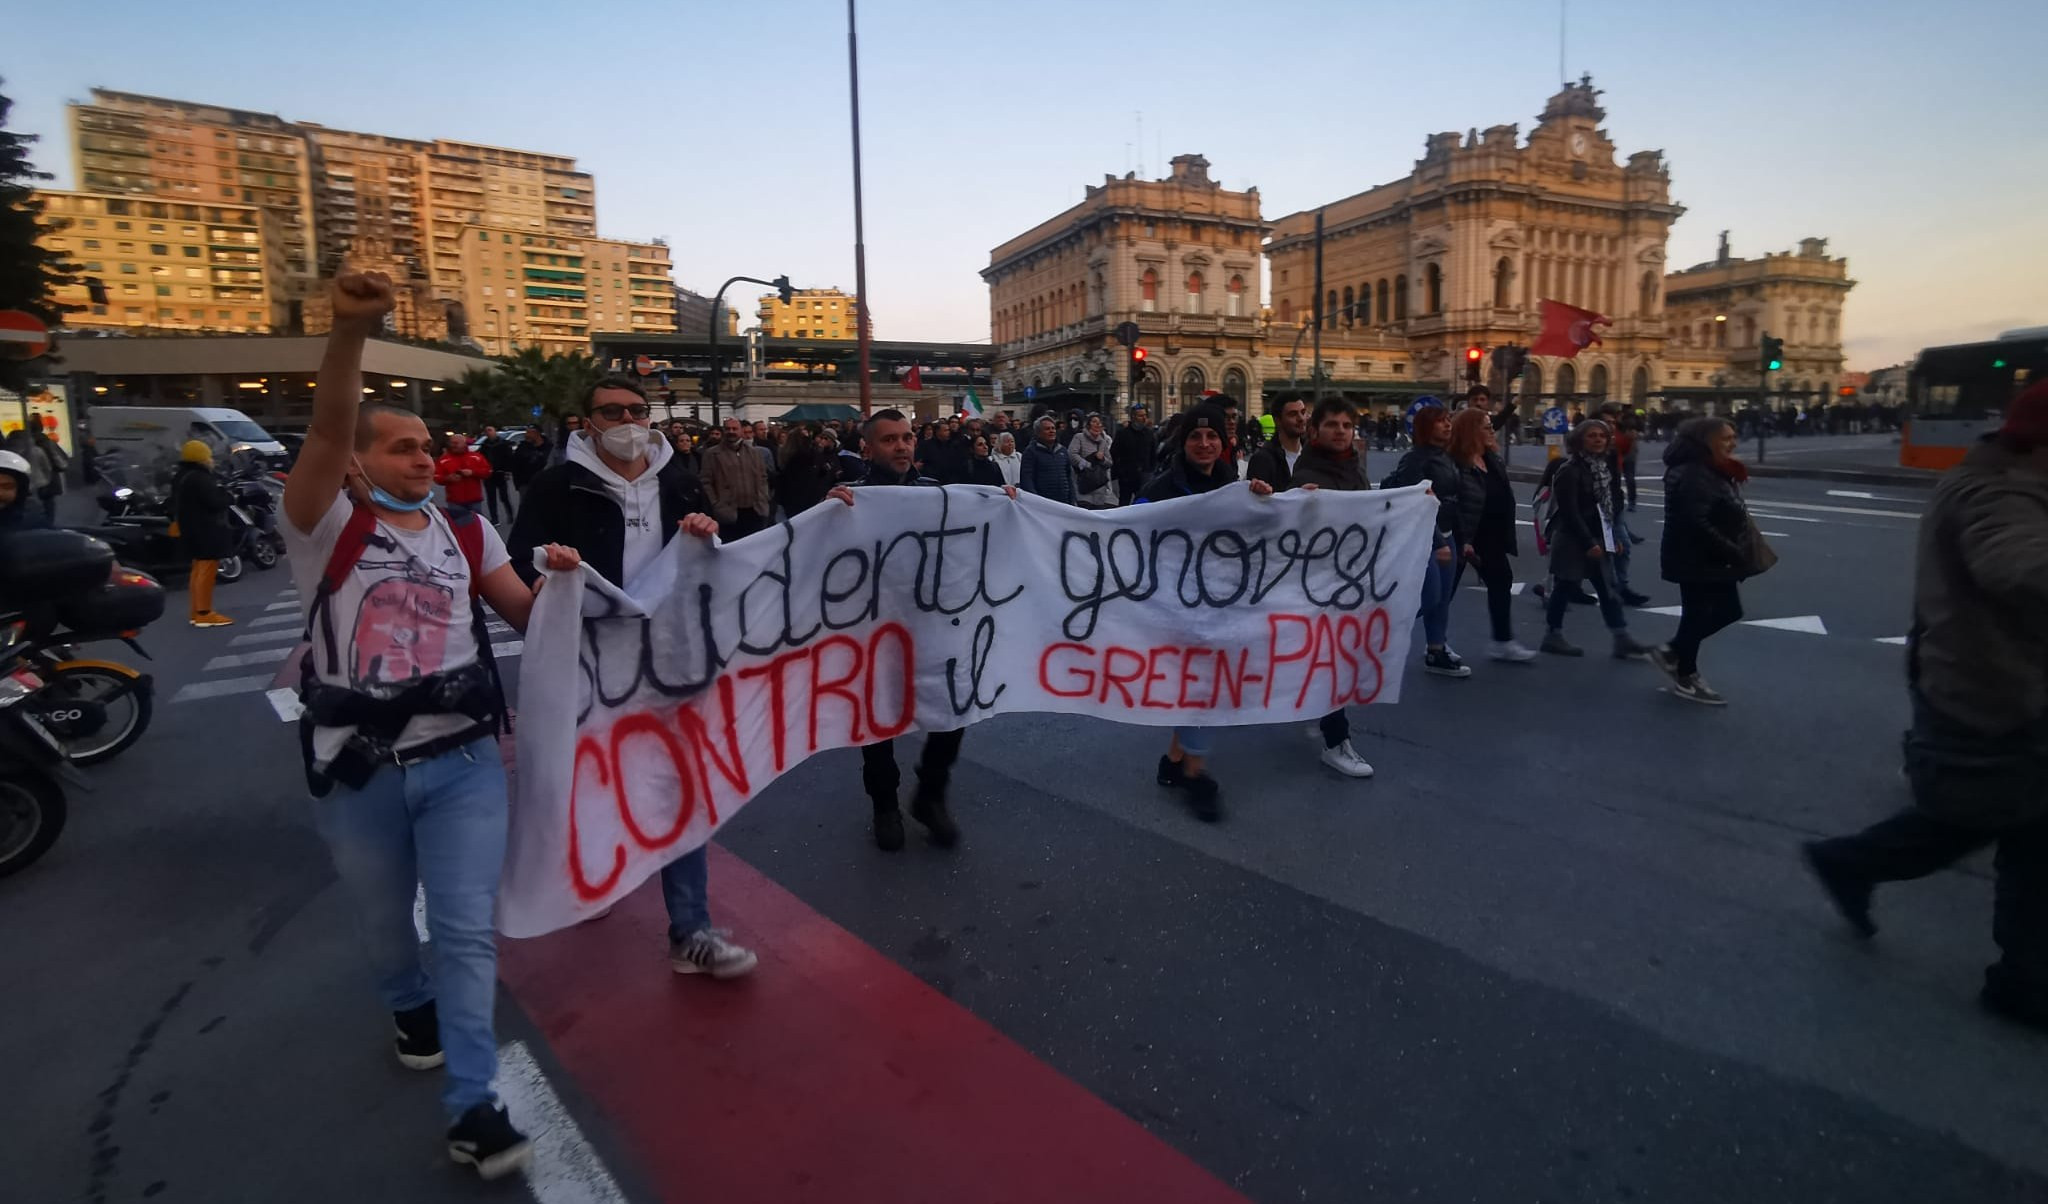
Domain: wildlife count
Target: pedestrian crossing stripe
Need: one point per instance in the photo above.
(266, 683)
(282, 606)
(1892, 639)
(276, 620)
(1809, 624)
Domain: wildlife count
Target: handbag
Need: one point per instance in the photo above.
(1761, 555)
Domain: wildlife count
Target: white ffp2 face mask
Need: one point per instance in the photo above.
(626, 442)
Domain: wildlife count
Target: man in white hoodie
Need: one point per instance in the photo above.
(619, 495)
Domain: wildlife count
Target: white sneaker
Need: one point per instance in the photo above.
(707, 951)
(1509, 650)
(1345, 760)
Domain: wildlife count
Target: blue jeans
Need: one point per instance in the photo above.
(1438, 588)
(684, 887)
(439, 824)
(1600, 576)
(1194, 741)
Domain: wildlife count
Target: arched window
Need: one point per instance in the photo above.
(1233, 297)
(1057, 380)
(1386, 314)
(1567, 379)
(1286, 312)
(1194, 292)
(1192, 382)
(1597, 383)
(1234, 384)
(1532, 379)
(1834, 328)
(1748, 331)
(1646, 294)
(1037, 381)
(1503, 283)
(1639, 388)
(1149, 390)
(1148, 291)
(1329, 315)
(1434, 284)
(1350, 307)
(1400, 298)
(1721, 336)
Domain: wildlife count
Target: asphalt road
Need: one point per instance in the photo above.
(1559, 949)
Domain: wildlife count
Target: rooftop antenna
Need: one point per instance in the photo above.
(1141, 143)
(1563, 8)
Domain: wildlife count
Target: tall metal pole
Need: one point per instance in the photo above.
(1316, 350)
(860, 247)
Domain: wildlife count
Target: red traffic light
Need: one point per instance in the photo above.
(1473, 355)
(1138, 354)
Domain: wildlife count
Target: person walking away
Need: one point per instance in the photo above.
(1708, 548)
(1094, 468)
(1328, 460)
(1048, 467)
(497, 454)
(402, 713)
(891, 449)
(461, 473)
(1274, 462)
(736, 483)
(1977, 676)
(1583, 532)
(199, 505)
(618, 499)
(1627, 435)
(1429, 461)
(18, 508)
(1007, 461)
(1133, 453)
(1486, 516)
(58, 462)
(984, 470)
(1196, 468)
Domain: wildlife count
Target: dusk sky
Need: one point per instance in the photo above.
(1908, 134)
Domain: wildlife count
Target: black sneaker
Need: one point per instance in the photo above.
(928, 807)
(485, 1139)
(1632, 598)
(1850, 896)
(1170, 773)
(888, 828)
(1206, 798)
(1666, 661)
(419, 1037)
(1444, 663)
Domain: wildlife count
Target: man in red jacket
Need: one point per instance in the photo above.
(461, 472)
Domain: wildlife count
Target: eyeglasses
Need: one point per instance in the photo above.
(615, 413)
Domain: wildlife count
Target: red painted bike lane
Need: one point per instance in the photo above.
(831, 1074)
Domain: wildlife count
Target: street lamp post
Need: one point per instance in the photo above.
(780, 284)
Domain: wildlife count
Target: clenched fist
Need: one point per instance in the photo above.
(361, 299)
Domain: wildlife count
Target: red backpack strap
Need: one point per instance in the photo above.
(469, 536)
(355, 534)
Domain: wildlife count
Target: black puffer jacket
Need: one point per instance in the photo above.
(568, 504)
(200, 504)
(1706, 526)
(1434, 465)
(1486, 506)
(1181, 479)
(1323, 469)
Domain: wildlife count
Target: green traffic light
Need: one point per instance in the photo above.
(1777, 364)
(1998, 363)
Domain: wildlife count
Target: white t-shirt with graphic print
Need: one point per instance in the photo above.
(403, 613)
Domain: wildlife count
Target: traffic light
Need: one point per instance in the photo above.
(1474, 356)
(1137, 369)
(784, 289)
(704, 385)
(1512, 361)
(1773, 357)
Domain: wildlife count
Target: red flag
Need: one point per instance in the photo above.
(914, 379)
(1567, 330)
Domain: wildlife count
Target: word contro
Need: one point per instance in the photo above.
(850, 691)
(1342, 654)
(1220, 569)
(766, 616)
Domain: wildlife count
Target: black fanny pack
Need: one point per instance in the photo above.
(471, 691)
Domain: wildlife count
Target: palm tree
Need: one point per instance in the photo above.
(531, 377)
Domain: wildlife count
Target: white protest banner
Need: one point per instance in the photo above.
(647, 719)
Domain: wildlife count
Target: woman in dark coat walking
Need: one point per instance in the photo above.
(1707, 547)
(1584, 530)
(1486, 517)
(199, 504)
(1429, 461)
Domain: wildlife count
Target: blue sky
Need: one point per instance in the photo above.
(1909, 134)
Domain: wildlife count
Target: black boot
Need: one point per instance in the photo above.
(888, 826)
(928, 807)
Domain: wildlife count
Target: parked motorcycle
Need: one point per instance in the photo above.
(138, 528)
(96, 708)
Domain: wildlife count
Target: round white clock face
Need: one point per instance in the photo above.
(1579, 143)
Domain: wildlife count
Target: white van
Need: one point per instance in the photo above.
(142, 435)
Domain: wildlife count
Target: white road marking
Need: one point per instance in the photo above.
(1868, 497)
(1892, 639)
(509, 648)
(1815, 507)
(239, 660)
(282, 606)
(221, 687)
(276, 635)
(277, 621)
(285, 701)
(565, 1170)
(1810, 624)
(1784, 518)
(1673, 611)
